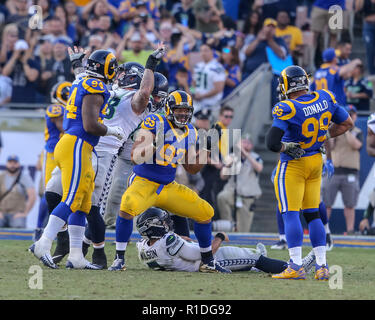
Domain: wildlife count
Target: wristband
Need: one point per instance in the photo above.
(220, 236)
(151, 63)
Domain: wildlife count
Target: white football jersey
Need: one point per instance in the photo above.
(205, 75)
(164, 254)
(371, 122)
(120, 113)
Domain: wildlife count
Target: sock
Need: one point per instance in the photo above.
(294, 235)
(124, 229)
(326, 228)
(203, 234)
(76, 227)
(180, 226)
(280, 224)
(98, 246)
(50, 232)
(296, 255)
(53, 199)
(43, 212)
(320, 254)
(87, 237)
(282, 237)
(96, 225)
(270, 265)
(317, 233)
(323, 213)
(120, 249)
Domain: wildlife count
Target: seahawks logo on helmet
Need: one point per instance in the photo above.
(179, 100)
(293, 79)
(154, 223)
(60, 92)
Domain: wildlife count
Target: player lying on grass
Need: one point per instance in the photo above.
(162, 249)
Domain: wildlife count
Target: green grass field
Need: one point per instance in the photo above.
(142, 284)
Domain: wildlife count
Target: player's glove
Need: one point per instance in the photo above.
(154, 58)
(76, 59)
(328, 169)
(293, 149)
(116, 131)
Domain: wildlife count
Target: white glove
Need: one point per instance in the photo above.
(116, 131)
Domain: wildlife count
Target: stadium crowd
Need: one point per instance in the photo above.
(213, 45)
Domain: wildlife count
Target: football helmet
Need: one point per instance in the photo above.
(130, 75)
(102, 64)
(160, 91)
(154, 223)
(179, 100)
(292, 79)
(60, 92)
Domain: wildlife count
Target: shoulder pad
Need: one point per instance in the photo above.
(284, 110)
(149, 123)
(173, 243)
(94, 85)
(55, 110)
(333, 70)
(329, 93)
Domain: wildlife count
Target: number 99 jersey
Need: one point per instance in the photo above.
(305, 120)
(73, 123)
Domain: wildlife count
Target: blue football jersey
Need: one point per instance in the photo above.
(328, 78)
(305, 120)
(73, 114)
(166, 158)
(51, 132)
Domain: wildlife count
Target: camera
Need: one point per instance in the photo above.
(144, 17)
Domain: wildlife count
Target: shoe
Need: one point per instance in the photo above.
(293, 272)
(37, 234)
(118, 265)
(329, 242)
(45, 257)
(81, 264)
(321, 272)
(99, 258)
(62, 246)
(261, 249)
(212, 267)
(85, 248)
(308, 262)
(280, 245)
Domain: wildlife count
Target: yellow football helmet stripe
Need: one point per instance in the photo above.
(60, 89)
(110, 56)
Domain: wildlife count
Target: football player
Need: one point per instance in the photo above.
(162, 249)
(53, 131)
(83, 125)
(302, 122)
(161, 143)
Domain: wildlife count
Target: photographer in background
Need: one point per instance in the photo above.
(24, 71)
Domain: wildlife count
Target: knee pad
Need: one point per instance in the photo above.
(53, 199)
(310, 216)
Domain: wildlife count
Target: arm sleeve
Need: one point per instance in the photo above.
(273, 139)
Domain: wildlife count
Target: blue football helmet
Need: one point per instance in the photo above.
(154, 223)
(129, 75)
(160, 92)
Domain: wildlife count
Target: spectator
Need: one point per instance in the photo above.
(270, 8)
(17, 195)
(207, 14)
(166, 32)
(251, 27)
(358, 90)
(243, 183)
(24, 71)
(344, 50)
(364, 226)
(68, 27)
(209, 80)
(8, 40)
(4, 13)
(19, 15)
(231, 63)
(5, 89)
(367, 9)
(147, 8)
(146, 25)
(331, 77)
(182, 81)
(256, 53)
(183, 13)
(292, 35)
(202, 120)
(345, 151)
(100, 8)
(55, 27)
(225, 37)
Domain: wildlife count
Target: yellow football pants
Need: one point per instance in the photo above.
(49, 164)
(297, 183)
(173, 197)
(73, 157)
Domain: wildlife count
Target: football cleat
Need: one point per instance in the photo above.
(99, 258)
(45, 258)
(62, 246)
(280, 245)
(329, 242)
(321, 273)
(118, 265)
(293, 272)
(212, 267)
(81, 264)
(308, 262)
(261, 249)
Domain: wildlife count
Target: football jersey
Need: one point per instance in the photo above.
(51, 132)
(205, 75)
(176, 143)
(120, 113)
(164, 254)
(305, 120)
(73, 124)
(328, 78)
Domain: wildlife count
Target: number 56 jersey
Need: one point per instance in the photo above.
(73, 122)
(305, 120)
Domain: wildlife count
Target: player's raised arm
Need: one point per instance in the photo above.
(142, 96)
